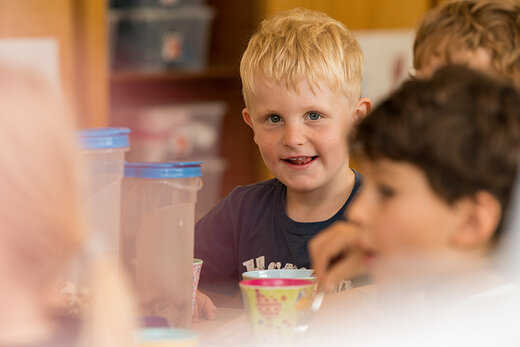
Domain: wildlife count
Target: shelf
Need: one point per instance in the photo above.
(212, 72)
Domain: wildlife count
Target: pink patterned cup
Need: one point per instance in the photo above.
(278, 308)
(197, 266)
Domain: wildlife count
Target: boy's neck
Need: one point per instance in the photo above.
(320, 204)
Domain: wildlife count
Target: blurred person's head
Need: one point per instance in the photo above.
(439, 158)
(42, 223)
(481, 34)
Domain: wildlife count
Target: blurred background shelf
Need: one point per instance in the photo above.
(210, 73)
(216, 82)
(97, 93)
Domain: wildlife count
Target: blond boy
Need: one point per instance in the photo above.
(301, 75)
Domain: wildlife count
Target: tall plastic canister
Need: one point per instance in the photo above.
(104, 150)
(157, 228)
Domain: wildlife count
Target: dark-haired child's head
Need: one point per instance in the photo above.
(439, 157)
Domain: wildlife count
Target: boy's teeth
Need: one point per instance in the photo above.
(300, 160)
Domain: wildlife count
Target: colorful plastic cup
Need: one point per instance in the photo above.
(277, 308)
(303, 274)
(197, 266)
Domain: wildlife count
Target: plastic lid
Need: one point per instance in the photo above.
(163, 170)
(165, 335)
(103, 138)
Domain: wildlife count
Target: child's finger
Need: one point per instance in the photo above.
(346, 267)
(320, 256)
(336, 240)
(209, 310)
(204, 306)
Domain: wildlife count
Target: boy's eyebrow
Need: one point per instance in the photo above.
(388, 169)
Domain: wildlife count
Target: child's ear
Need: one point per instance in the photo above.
(363, 107)
(482, 214)
(247, 118)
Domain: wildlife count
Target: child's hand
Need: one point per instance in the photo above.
(334, 254)
(204, 307)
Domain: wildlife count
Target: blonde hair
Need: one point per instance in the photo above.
(493, 25)
(302, 44)
(42, 222)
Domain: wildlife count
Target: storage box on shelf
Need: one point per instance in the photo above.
(182, 132)
(154, 3)
(160, 39)
(173, 132)
(137, 88)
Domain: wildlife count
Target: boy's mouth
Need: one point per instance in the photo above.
(299, 160)
(368, 257)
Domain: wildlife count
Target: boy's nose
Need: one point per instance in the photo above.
(293, 135)
(358, 211)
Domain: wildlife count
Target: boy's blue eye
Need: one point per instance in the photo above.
(274, 118)
(314, 116)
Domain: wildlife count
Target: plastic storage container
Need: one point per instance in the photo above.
(213, 169)
(201, 135)
(157, 228)
(161, 38)
(152, 3)
(174, 132)
(104, 150)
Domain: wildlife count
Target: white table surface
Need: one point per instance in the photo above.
(231, 327)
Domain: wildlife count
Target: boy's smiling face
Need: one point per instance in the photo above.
(302, 136)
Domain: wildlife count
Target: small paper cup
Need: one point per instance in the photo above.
(197, 266)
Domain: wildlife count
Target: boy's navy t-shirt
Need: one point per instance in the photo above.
(250, 230)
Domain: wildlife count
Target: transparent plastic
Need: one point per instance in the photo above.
(157, 228)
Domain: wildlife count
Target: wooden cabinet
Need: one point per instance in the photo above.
(232, 26)
(362, 14)
(79, 28)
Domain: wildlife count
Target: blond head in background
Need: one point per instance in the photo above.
(481, 34)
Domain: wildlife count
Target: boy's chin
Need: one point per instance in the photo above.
(419, 268)
(300, 186)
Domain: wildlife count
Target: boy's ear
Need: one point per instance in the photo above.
(363, 107)
(482, 214)
(247, 118)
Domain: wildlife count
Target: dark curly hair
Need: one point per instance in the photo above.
(461, 127)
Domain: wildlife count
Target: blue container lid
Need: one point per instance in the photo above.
(165, 334)
(163, 170)
(104, 138)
